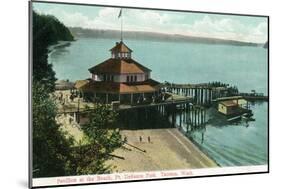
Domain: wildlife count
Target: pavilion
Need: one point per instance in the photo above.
(120, 78)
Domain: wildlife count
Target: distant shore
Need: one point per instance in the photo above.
(156, 36)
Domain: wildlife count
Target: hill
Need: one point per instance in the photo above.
(152, 36)
(47, 30)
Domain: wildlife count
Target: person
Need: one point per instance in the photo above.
(140, 138)
(148, 138)
(153, 99)
(60, 97)
(71, 97)
(125, 139)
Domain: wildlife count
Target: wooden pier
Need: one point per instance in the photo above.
(185, 107)
(202, 94)
(180, 114)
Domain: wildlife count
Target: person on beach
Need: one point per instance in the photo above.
(140, 138)
(148, 138)
(71, 97)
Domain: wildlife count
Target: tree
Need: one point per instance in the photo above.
(103, 139)
(53, 153)
(47, 30)
(51, 149)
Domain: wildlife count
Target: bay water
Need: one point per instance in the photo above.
(181, 62)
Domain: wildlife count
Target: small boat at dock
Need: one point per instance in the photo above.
(248, 117)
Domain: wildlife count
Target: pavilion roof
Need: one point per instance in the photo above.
(120, 88)
(119, 66)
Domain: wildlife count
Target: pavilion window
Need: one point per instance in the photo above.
(112, 78)
(135, 78)
(128, 78)
(132, 77)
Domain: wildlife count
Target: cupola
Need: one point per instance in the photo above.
(121, 51)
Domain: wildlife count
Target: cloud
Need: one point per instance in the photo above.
(166, 22)
(227, 28)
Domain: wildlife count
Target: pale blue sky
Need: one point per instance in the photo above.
(242, 28)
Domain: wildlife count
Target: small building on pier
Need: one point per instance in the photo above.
(120, 78)
(232, 105)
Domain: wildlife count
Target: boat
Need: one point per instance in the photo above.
(248, 116)
(234, 118)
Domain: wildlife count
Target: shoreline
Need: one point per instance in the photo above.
(203, 150)
(169, 149)
(197, 145)
(59, 44)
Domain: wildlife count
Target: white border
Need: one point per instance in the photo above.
(130, 176)
(134, 176)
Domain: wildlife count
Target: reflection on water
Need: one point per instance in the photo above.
(238, 143)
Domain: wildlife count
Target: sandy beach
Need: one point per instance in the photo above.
(168, 149)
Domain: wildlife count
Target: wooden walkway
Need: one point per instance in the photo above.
(177, 99)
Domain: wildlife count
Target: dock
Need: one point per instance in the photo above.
(206, 93)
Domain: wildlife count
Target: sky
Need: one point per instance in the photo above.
(240, 28)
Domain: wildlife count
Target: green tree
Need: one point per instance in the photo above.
(51, 150)
(47, 30)
(103, 138)
(53, 153)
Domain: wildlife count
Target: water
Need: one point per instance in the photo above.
(237, 144)
(244, 67)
